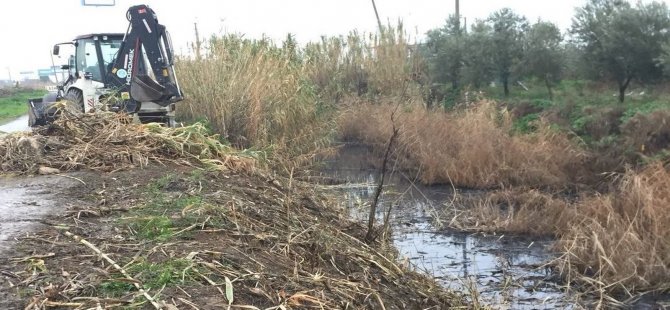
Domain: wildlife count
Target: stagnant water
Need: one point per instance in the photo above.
(506, 271)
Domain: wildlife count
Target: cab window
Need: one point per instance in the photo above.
(87, 58)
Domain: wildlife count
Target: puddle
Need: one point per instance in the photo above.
(19, 124)
(24, 202)
(506, 271)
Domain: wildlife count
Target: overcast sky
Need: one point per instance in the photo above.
(28, 28)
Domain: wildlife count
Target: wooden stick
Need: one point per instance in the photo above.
(116, 266)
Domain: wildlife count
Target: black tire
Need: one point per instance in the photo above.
(75, 97)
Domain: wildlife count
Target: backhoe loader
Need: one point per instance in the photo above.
(132, 73)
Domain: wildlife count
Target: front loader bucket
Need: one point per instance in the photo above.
(144, 89)
(41, 111)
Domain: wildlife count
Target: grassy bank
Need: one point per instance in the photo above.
(13, 102)
(629, 132)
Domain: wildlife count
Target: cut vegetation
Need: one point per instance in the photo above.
(180, 219)
(195, 238)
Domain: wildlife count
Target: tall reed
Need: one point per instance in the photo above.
(620, 242)
(256, 95)
(473, 147)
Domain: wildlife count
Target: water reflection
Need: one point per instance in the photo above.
(506, 271)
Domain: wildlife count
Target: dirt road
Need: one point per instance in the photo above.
(19, 124)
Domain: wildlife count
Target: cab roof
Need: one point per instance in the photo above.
(91, 35)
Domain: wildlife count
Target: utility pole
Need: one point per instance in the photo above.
(458, 15)
(379, 22)
(9, 73)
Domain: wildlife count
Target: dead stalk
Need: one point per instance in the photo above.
(369, 237)
(116, 266)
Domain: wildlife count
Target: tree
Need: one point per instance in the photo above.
(478, 57)
(508, 31)
(575, 66)
(664, 59)
(446, 45)
(543, 55)
(624, 42)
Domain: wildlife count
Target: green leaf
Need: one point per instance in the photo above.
(229, 291)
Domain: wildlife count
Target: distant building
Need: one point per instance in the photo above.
(51, 74)
(28, 75)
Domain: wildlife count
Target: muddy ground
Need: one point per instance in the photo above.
(202, 240)
(27, 201)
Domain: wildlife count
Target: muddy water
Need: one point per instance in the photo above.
(19, 124)
(24, 202)
(506, 271)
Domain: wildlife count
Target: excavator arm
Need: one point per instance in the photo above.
(143, 69)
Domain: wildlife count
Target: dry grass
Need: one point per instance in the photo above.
(647, 134)
(611, 244)
(282, 99)
(363, 65)
(621, 241)
(471, 148)
(517, 210)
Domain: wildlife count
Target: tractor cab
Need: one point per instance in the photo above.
(91, 58)
(94, 55)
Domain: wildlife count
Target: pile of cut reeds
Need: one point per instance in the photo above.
(268, 242)
(108, 141)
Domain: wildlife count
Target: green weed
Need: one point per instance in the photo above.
(160, 274)
(114, 288)
(15, 104)
(153, 228)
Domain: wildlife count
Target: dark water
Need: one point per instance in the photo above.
(507, 272)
